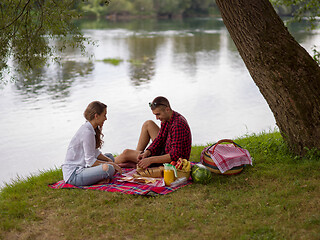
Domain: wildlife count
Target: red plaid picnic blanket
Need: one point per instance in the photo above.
(123, 187)
(227, 156)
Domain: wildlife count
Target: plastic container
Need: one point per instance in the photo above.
(169, 174)
(178, 182)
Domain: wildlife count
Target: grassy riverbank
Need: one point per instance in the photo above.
(277, 198)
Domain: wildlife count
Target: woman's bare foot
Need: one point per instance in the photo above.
(104, 181)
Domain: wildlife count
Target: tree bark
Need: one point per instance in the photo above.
(287, 76)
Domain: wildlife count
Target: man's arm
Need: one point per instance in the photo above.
(146, 162)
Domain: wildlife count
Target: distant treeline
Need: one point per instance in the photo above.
(154, 8)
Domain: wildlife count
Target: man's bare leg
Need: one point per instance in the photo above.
(149, 130)
(128, 155)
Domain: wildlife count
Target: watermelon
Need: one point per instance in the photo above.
(200, 174)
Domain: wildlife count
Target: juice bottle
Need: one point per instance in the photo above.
(169, 174)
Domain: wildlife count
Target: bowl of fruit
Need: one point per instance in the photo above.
(183, 167)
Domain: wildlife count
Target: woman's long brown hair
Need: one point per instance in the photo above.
(94, 108)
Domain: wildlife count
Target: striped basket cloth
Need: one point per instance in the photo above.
(226, 159)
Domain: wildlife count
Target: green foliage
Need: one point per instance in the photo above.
(121, 7)
(266, 146)
(316, 54)
(143, 7)
(93, 7)
(171, 7)
(113, 61)
(162, 8)
(302, 9)
(312, 154)
(32, 31)
(201, 7)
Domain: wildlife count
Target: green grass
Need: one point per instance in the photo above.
(276, 198)
(113, 61)
(136, 62)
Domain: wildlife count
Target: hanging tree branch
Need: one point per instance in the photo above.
(16, 19)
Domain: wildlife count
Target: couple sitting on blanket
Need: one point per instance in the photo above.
(86, 165)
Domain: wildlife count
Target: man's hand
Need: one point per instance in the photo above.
(145, 162)
(143, 155)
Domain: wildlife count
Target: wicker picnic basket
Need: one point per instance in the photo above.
(181, 173)
(209, 163)
(239, 155)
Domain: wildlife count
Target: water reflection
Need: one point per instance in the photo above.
(54, 81)
(142, 54)
(155, 25)
(189, 50)
(197, 42)
(141, 70)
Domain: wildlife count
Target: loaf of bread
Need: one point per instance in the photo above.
(155, 172)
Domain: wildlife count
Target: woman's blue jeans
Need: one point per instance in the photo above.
(91, 175)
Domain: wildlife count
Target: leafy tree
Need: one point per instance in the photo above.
(201, 7)
(309, 9)
(302, 9)
(93, 7)
(98, 9)
(143, 7)
(171, 7)
(30, 29)
(287, 76)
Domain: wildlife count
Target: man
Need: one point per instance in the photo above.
(169, 143)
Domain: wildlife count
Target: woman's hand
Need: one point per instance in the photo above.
(116, 167)
(98, 162)
(104, 158)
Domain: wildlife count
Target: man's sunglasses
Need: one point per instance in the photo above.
(155, 104)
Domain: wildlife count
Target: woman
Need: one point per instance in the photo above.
(84, 163)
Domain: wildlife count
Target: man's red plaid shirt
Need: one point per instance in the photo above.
(174, 138)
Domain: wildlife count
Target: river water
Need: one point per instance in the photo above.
(193, 63)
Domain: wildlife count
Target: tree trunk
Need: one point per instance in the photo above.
(287, 76)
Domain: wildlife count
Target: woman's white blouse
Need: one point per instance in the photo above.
(81, 152)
